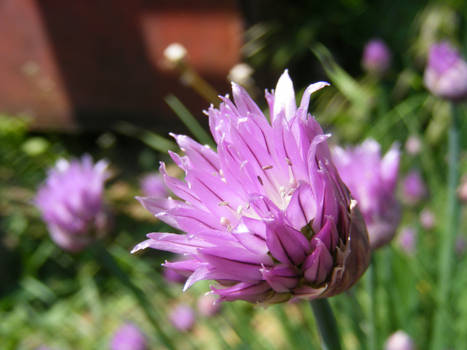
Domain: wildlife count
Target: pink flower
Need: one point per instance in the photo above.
(267, 215)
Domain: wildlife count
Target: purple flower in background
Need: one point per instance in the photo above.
(372, 180)
(182, 317)
(399, 341)
(208, 305)
(267, 215)
(128, 337)
(427, 219)
(413, 188)
(71, 202)
(446, 72)
(376, 57)
(152, 185)
(406, 239)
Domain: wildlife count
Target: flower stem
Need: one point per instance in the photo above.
(441, 324)
(111, 264)
(327, 324)
(371, 288)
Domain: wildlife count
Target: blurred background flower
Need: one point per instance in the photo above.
(372, 181)
(71, 202)
(376, 57)
(182, 317)
(128, 337)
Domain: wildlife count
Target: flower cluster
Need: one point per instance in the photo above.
(372, 181)
(446, 72)
(71, 202)
(267, 215)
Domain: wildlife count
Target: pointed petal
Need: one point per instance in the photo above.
(318, 265)
(284, 97)
(281, 278)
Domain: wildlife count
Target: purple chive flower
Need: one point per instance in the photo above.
(413, 188)
(399, 341)
(267, 215)
(427, 219)
(406, 239)
(446, 72)
(376, 57)
(152, 185)
(372, 180)
(208, 305)
(71, 202)
(128, 337)
(182, 317)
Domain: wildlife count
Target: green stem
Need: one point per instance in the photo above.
(371, 288)
(327, 324)
(111, 264)
(441, 325)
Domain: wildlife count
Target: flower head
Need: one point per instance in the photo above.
(152, 185)
(413, 188)
(399, 341)
(376, 56)
(372, 181)
(71, 202)
(128, 337)
(267, 215)
(182, 317)
(446, 72)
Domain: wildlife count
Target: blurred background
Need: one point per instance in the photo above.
(103, 78)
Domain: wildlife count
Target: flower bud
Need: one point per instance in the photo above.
(182, 318)
(399, 341)
(446, 72)
(376, 57)
(128, 337)
(372, 180)
(407, 239)
(413, 145)
(71, 202)
(427, 219)
(175, 53)
(241, 74)
(413, 188)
